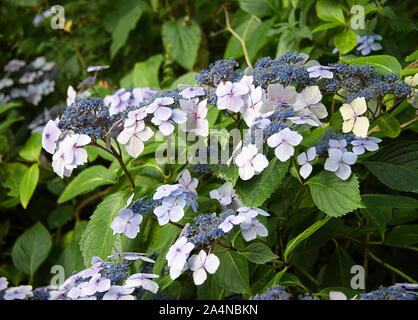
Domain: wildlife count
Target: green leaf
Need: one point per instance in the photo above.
(257, 7)
(32, 147)
(326, 26)
(31, 249)
(403, 236)
(59, 216)
(88, 180)
(122, 21)
(345, 41)
(379, 216)
(396, 165)
(257, 190)
(209, 290)
(227, 173)
(187, 78)
(145, 73)
(258, 253)
(232, 273)
(97, 239)
(389, 125)
(338, 270)
(8, 106)
(384, 64)
(388, 201)
(28, 184)
(330, 11)
(184, 39)
(295, 242)
(15, 172)
(412, 57)
(333, 195)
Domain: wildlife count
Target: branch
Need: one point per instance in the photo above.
(404, 125)
(87, 201)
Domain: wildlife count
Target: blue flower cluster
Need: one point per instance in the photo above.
(205, 228)
(282, 70)
(275, 293)
(396, 292)
(323, 145)
(89, 116)
(221, 70)
(363, 81)
(202, 168)
(144, 207)
(116, 272)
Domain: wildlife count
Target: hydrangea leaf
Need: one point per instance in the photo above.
(258, 8)
(330, 11)
(233, 274)
(28, 184)
(31, 249)
(88, 180)
(334, 196)
(389, 201)
(32, 148)
(345, 41)
(396, 165)
(257, 190)
(145, 73)
(390, 126)
(227, 173)
(97, 239)
(184, 40)
(258, 253)
(384, 64)
(403, 236)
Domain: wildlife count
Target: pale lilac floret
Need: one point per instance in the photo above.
(226, 195)
(14, 65)
(192, 92)
(131, 256)
(308, 103)
(164, 119)
(97, 283)
(165, 191)
(320, 71)
(339, 162)
(50, 136)
(250, 162)
(252, 104)
(61, 168)
(133, 136)
(27, 77)
(143, 280)
(134, 116)
(5, 82)
(18, 293)
(362, 144)
(169, 212)
(368, 44)
(340, 144)
(196, 116)
(284, 143)
(251, 228)
(187, 181)
(277, 95)
(74, 154)
(119, 293)
(230, 95)
(202, 263)
(127, 223)
(177, 255)
(304, 160)
(304, 120)
(251, 212)
(118, 101)
(3, 283)
(230, 221)
(93, 270)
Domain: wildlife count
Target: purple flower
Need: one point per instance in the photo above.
(251, 212)
(250, 162)
(252, 104)
(93, 270)
(339, 162)
(172, 209)
(97, 283)
(61, 168)
(201, 263)
(230, 221)
(77, 291)
(74, 154)
(308, 103)
(27, 77)
(187, 181)
(192, 92)
(50, 136)
(142, 94)
(340, 144)
(118, 101)
(3, 283)
(14, 65)
(5, 82)
(304, 120)
(362, 144)
(119, 293)
(177, 255)
(283, 142)
(230, 95)
(165, 191)
(367, 44)
(134, 135)
(196, 116)
(131, 256)
(251, 228)
(304, 160)
(277, 95)
(127, 223)
(226, 196)
(320, 71)
(139, 280)
(18, 293)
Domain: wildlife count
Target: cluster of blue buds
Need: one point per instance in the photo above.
(219, 71)
(275, 293)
